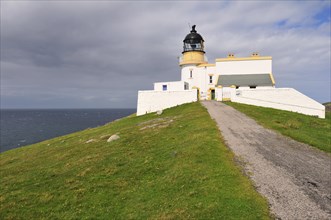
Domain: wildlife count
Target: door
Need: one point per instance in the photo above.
(212, 94)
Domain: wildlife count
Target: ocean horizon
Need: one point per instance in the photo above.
(21, 127)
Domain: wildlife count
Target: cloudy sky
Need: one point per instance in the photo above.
(98, 54)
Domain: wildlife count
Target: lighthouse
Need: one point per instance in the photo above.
(193, 49)
(247, 80)
(195, 69)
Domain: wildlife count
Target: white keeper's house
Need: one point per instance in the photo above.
(247, 80)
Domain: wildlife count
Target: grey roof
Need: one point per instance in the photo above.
(245, 80)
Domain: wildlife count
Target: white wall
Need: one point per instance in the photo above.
(197, 79)
(218, 94)
(244, 67)
(200, 78)
(200, 75)
(280, 98)
(228, 93)
(152, 101)
(171, 86)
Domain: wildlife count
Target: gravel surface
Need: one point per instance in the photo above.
(294, 177)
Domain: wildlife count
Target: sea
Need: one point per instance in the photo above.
(21, 127)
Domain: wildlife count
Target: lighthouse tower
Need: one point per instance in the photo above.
(192, 65)
(193, 50)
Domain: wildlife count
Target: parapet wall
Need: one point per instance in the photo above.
(280, 98)
(153, 101)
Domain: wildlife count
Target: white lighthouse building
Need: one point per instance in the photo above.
(247, 80)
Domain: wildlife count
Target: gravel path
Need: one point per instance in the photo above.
(294, 177)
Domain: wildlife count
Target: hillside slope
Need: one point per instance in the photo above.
(327, 106)
(169, 166)
(293, 176)
(304, 128)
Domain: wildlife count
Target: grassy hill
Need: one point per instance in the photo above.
(169, 166)
(327, 106)
(307, 129)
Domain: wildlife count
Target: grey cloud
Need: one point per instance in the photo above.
(67, 54)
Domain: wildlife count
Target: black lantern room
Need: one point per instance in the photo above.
(193, 41)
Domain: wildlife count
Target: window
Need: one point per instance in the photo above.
(191, 74)
(210, 79)
(237, 87)
(252, 87)
(164, 87)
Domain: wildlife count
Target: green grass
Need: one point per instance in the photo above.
(172, 166)
(306, 129)
(327, 106)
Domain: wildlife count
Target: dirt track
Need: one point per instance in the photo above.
(294, 177)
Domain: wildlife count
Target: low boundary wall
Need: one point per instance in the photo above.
(153, 101)
(280, 98)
